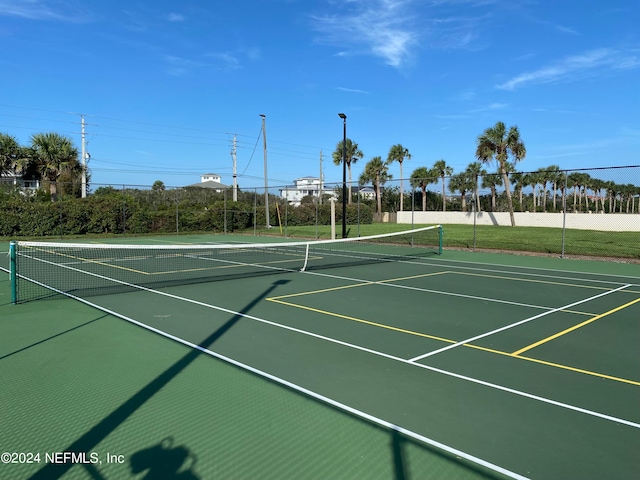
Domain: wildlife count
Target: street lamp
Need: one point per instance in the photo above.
(344, 174)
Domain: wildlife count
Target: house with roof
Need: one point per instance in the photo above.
(304, 187)
(25, 186)
(211, 181)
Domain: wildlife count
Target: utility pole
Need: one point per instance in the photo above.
(235, 176)
(84, 153)
(84, 160)
(266, 182)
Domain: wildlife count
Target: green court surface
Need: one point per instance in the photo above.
(458, 366)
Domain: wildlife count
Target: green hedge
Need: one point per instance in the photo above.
(111, 212)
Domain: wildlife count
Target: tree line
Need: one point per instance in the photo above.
(49, 158)
(504, 148)
(53, 160)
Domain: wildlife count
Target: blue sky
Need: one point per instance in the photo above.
(165, 85)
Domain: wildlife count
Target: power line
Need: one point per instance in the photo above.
(173, 127)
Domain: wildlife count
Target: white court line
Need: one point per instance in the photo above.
(298, 388)
(507, 327)
(444, 260)
(389, 283)
(339, 342)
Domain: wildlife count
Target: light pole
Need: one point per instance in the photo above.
(266, 182)
(344, 174)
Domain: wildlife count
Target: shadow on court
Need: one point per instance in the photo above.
(165, 460)
(54, 336)
(402, 456)
(99, 432)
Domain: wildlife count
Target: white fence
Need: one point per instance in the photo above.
(611, 222)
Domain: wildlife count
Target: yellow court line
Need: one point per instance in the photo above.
(575, 327)
(446, 340)
(557, 365)
(367, 322)
(530, 280)
(88, 260)
(363, 284)
(217, 267)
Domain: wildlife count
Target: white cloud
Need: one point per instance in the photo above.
(179, 66)
(382, 28)
(591, 63)
(353, 90)
(490, 107)
(60, 10)
(175, 17)
(225, 61)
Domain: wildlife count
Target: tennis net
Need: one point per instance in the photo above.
(44, 269)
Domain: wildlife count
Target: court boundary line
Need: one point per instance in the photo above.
(350, 345)
(317, 396)
(516, 324)
(540, 269)
(389, 283)
(447, 340)
(575, 327)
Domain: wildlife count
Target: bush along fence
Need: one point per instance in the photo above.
(129, 210)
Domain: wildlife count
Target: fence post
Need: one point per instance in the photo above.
(286, 209)
(358, 227)
(177, 218)
(255, 211)
(124, 210)
(317, 204)
(564, 214)
(474, 225)
(60, 216)
(225, 209)
(413, 201)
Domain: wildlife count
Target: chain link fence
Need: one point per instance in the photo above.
(593, 212)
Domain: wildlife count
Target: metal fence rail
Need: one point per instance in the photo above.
(592, 205)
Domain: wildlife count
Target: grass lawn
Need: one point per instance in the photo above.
(590, 243)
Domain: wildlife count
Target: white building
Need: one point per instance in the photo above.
(27, 187)
(304, 187)
(210, 180)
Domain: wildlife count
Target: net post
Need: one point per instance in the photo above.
(12, 272)
(439, 239)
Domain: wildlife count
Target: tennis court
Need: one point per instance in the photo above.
(373, 362)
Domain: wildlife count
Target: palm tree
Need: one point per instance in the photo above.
(636, 194)
(398, 153)
(492, 181)
(597, 185)
(53, 155)
(544, 176)
(628, 191)
(9, 153)
(442, 170)
(555, 177)
(531, 179)
(497, 143)
(518, 185)
(422, 177)
(474, 171)
(562, 185)
(575, 181)
(611, 192)
(586, 185)
(462, 183)
(377, 172)
(353, 154)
